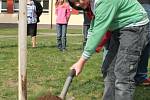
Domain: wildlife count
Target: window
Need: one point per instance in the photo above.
(45, 5)
(16, 5)
(4, 6)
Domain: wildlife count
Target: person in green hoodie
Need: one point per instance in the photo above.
(128, 22)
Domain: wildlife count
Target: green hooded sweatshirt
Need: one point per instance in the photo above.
(112, 15)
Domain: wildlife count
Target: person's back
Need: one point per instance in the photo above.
(127, 15)
(119, 13)
(114, 14)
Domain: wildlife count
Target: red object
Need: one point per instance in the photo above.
(76, 12)
(146, 82)
(10, 6)
(90, 13)
(104, 40)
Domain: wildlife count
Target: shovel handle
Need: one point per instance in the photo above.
(72, 73)
(67, 84)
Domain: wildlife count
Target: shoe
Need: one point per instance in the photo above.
(146, 82)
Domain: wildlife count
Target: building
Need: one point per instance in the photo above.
(9, 12)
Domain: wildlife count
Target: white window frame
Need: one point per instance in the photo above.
(0, 5)
(16, 10)
(3, 10)
(45, 10)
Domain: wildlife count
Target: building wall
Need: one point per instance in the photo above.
(8, 18)
(46, 18)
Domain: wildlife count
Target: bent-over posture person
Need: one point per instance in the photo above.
(128, 22)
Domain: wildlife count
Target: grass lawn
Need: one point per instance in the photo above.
(47, 68)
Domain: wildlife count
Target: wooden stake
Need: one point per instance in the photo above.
(51, 14)
(22, 50)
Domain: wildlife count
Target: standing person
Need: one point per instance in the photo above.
(86, 26)
(62, 18)
(128, 23)
(142, 71)
(105, 45)
(32, 19)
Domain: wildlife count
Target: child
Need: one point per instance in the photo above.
(62, 18)
(128, 23)
(32, 19)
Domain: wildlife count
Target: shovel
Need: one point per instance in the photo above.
(67, 84)
(64, 90)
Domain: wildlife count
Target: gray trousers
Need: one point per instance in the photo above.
(61, 35)
(85, 33)
(120, 64)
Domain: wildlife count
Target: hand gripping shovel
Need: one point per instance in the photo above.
(67, 84)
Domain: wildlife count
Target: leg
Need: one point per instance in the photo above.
(63, 38)
(59, 34)
(105, 51)
(85, 33)
(141, 74)
(33, 41)
(108, 69)
(28, 29)
(112, 51)
(34, 35)
(106, 48)
(132, 41)
(32, 30)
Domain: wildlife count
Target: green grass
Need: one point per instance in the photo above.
(70, 31)
(13, 31)
(47, 68)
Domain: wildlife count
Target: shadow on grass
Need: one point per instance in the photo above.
(9, 46)
(28, 46)
(43, 46)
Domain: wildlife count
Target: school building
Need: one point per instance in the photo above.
(9, 12)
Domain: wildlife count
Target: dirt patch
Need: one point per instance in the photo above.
(11, 83)
(48, 97)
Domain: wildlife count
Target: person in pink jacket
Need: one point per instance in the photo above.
(62, 18)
